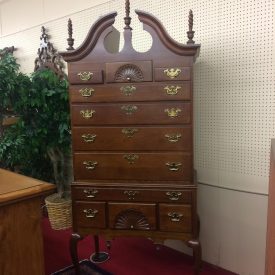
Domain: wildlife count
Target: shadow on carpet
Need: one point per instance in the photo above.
(86, 267)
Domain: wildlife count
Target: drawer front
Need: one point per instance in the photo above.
(131, 92)
(132, 216)
(172, 74)
(90, 214)
(134, 71)
(129, 138)
(89, 193)
(176, 218)
(131, 113)
(84, 74)
(133, 166)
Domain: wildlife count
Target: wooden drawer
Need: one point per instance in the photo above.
(129, 138)
(131, 113)
(92, 193)
(172, 74)
(176, 218)
(132, 216)
(90, 214)
(133, 71)
(84, 74)
(133, 166)
(131, 92)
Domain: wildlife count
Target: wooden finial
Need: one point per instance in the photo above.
(127, 18)
(70, 33)
(190, 33)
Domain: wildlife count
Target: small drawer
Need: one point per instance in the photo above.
(132, 216)
(90, 214)
(131, 113)
(131, 92)
(98, 138)
(176, 218)
(84, 74)
(172, 74)
(96, 193)
(133, 71)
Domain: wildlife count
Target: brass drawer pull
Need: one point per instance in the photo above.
(175, 217)
(129, 132)
(172, 90)
(173, 195)
(129, 109)
(173, 137)
(90, 213)
(173, 112)
(173, 166)
(85, 76)
(172, 72)
(128, 90)
(88, 137)
(90, 165)
(87, 113)
(90, 193)
(131, 158)
(131, 194)
(86, 92)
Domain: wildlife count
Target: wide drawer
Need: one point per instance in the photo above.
(92, 193)
(129, 138)
(177, 218)
(132, 216)
(90, 214)
(134, 71)
(131, 113)
(172, 74)
(135, 166)
(84, 74)
(131, 92)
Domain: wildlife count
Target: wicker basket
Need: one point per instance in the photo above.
(59, 211)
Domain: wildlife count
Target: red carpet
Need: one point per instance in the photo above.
(129, 256)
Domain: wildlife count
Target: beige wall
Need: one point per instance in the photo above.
(234, 104)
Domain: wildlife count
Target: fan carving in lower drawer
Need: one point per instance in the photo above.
(134, 216)
(175, 217)
(90, 214)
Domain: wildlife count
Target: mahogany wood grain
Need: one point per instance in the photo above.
(21, 249)
(138, 92)
(116, 138)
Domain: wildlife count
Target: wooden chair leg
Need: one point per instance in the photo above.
(73, 250)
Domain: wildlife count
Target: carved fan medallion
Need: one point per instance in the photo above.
(131, 219)
(128, 73)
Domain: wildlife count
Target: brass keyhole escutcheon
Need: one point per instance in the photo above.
(131, 194)
(128, 90)
(131, 158)
(129, 109)
(129, 132)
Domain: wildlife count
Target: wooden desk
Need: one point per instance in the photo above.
(21, 244)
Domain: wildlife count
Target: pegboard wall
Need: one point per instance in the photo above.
(233, 83)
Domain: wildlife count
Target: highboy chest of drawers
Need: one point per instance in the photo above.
(132, 136)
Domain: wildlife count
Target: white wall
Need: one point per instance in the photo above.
(234, 103)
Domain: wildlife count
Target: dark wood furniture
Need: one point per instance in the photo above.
(21, 249)
(132, 136)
